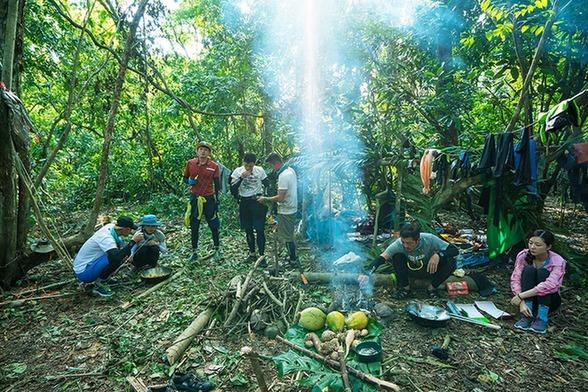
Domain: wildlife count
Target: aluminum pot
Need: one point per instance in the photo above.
(155, 275)
(427, 315)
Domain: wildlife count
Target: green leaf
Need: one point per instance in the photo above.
(291, 361)
(221, 349)
(514, 72)
(374, 328)
(239, 379)
(572, 351)
(14, 369)
(484, 5)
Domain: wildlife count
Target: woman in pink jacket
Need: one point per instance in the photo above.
(536, 281)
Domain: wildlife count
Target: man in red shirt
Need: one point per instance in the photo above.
(203, 176)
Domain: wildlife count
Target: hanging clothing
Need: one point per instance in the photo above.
(440, 166)
(563, 114)
(506, 233)
(225, 178)
(504, 164)
(460, 167)
(504, 154)
(498, 158)
(525, 162)
(464, 164)
(427, 168)
(580, 150)
(488, 158)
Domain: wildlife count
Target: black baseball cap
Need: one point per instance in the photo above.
(125, 221)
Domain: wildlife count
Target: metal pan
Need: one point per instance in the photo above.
(155, 275)
(427, 315)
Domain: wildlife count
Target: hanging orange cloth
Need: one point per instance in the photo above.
(426, 168)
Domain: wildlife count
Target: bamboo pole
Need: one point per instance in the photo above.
(18, 302)
(49, 286)
(137, 384)
(379, 279)
(176, 350)
(534, 63)
(144, 294)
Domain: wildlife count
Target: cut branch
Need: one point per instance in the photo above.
(243, 289)
(336, 365)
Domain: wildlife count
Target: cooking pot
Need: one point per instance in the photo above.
(155, 275)
(369, 352)
(427, 315)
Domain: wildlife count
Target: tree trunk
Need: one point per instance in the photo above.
(449, 136)
(529, 77)
(9, 44)
(13, 212)
(8, 192)
(109, 130)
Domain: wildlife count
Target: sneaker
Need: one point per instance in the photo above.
(193, 258)
(524, 323)
(218, 255)
(132, 272)
(539, 326)
(402, 293)
(433, 294)
(102, 291)
(251, 259)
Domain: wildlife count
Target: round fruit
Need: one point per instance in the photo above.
(271, 331)
(335, 321)
(312, 319)
(356, 320)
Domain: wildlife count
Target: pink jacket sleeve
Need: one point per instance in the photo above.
(557, 270)
(515, 278)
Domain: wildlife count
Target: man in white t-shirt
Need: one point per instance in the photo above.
(287, 199)
(247, 184)
(104, 252)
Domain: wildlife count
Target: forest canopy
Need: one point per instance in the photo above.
(119, 92)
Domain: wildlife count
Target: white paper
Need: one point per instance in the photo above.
(471, 311)
(349, 258)
(492, 310)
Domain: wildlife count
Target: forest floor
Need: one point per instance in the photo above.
(80, 342)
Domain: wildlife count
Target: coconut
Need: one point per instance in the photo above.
(312, 319)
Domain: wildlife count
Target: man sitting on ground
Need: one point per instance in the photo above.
(416, 254)
(104, 252)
